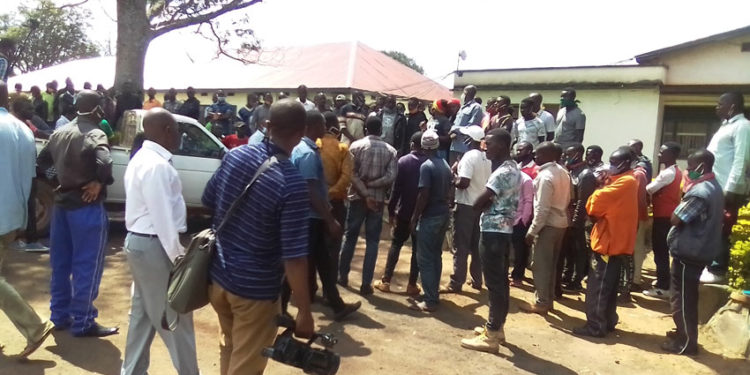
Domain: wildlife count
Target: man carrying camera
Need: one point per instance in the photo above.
(261, 239)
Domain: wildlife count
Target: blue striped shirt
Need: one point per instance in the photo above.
(268, 227)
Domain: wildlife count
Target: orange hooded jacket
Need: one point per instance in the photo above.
(615, 208)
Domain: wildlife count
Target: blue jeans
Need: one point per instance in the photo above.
(358, 214)
(430, 236)
(78, 238)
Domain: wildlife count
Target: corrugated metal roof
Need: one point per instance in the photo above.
(337, 66)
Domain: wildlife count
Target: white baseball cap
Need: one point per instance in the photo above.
(475, 132)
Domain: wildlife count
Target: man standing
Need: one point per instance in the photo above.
(375, 169)
(470, 113)
(49, 98)
(306, 157)
(400, 210)
(302, 98)
(571, 121)
(548, 227)
(352, 117)
(151, 101)
(394, 123)
(78, 236)
(414, 120)
(521, 223)
(615, 220)
(594, 155)
(192, 106)
(731, 147)
(575, 255)
(17, 154)
(171, 103)
(441, 124)
(337, 168)
(245, 113)
(262, 112)
(155, 216)
(221, 113)
(321, 103)
(473, 172)
(504, 115)
(665, 195)
(528, 127)
(253, 247)
(694, 241)
(239, 138)
(630, 278)
(525, 159)
(641, 160)
(430, 220)
(499, 202)
(40, 107)
(542, 114)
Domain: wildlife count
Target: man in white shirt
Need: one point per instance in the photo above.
(547, 229)
(731, 148)
(155, 216)
(542, 114)
(302, 98)
(528, 127)
(473, 171)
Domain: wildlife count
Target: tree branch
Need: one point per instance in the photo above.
(73, 4)
(165, 27)
(219, 44)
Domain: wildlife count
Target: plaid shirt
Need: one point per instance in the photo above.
(690, 209)
(375, 168)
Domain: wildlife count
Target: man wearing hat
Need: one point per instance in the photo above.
(430, 219)
(239, 138)
(472, 174)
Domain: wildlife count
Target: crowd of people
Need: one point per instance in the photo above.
(521, 193)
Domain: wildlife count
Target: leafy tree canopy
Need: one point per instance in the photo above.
(406, 60)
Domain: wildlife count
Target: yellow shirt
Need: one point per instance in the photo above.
(337, 166)
(615, 209)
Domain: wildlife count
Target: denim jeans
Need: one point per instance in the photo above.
(494, 249)
(430, 236)
(359, 213)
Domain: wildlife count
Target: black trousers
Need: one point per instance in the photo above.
(627, 271)
(684, 301)
(601, 293)
(571, 266)
(320, 260)
(338, 210)
(31, 235)
(661, 251)
(494, 249)
(520, 251)
(401, 233)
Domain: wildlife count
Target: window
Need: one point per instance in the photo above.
(195, 142)
(691, 127)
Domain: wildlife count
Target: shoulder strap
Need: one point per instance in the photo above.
(263, 168)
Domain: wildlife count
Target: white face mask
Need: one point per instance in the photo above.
(97, 110)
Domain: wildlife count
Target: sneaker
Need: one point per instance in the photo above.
(383, 286)
(424, 306)
(445, 289)
(413, 290)
(18, 245)
(347, 310)
(708, 277)
(36, 247)
(478, 330)
(488, 341)
(657, 293)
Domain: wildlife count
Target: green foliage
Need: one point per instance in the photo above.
(45, 35)
(406, 60)
(739, 255)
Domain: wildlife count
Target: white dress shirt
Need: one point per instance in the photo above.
(664, 178)
(552, 198)
(153, 198)
(309, 105)
(731, 148)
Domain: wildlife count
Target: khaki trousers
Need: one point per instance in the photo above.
(546, 255)
(246, 328)
(18, 311)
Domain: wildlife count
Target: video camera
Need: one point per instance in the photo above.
(295, 353)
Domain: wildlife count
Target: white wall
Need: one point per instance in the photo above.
(613, 116)
(710, 64)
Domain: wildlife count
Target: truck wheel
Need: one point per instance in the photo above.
(45, 199)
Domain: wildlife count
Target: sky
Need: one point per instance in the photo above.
(494, 33)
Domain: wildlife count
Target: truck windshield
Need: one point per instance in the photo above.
(194, 142)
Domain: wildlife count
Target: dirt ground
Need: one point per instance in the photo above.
(385, 337)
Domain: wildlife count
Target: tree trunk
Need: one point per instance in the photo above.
(133, 37)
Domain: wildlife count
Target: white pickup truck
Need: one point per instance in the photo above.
(197, 158)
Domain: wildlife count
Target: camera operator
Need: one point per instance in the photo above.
(257, 241)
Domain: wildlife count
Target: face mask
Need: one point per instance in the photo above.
(221, 99)
(573, 160)
(567, 102)
(615, 170)
(695, 174)
(96, 111)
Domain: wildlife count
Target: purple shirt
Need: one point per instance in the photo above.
(405, 187)
(525, 201)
